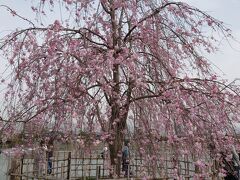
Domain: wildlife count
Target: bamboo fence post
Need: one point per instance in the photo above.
(166, 161)
(97, 162)
(75, 164)
(46, 167)
(179, 167)
(74, 156)
(62, 170)
(9, 165)
(21, 166)
(64, 158)
(185, 166)
(69, 166)
(84, 172)
(83, 168)
(128, 173)
(188, 167)
(136, 161)
(89, 165)
(53, 160)
(57, 164)
(98, 170)
(32, 173)
(103, 166)
(27, 169)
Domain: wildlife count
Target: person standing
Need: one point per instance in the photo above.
(50, 156)
(104, 152)
(125, 158)
(39, 159)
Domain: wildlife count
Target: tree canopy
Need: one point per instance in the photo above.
(114, 66)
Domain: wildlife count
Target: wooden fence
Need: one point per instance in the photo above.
(77, 165)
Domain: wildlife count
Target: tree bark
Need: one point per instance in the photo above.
(116, 146)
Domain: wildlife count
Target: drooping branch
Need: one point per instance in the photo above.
(155, 12)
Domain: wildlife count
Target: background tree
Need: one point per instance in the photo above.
(114, 64)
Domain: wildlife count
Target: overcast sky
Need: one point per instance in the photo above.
(228, 11)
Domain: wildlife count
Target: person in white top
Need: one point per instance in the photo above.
(39, 159)
(104, 153)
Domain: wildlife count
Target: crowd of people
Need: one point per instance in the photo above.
(44, 153)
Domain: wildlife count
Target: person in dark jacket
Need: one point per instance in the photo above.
(125, 158)
(50, 156)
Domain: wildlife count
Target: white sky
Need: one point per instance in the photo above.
(228, 11)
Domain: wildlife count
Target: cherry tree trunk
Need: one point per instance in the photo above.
(115, 151)
(117, 130)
